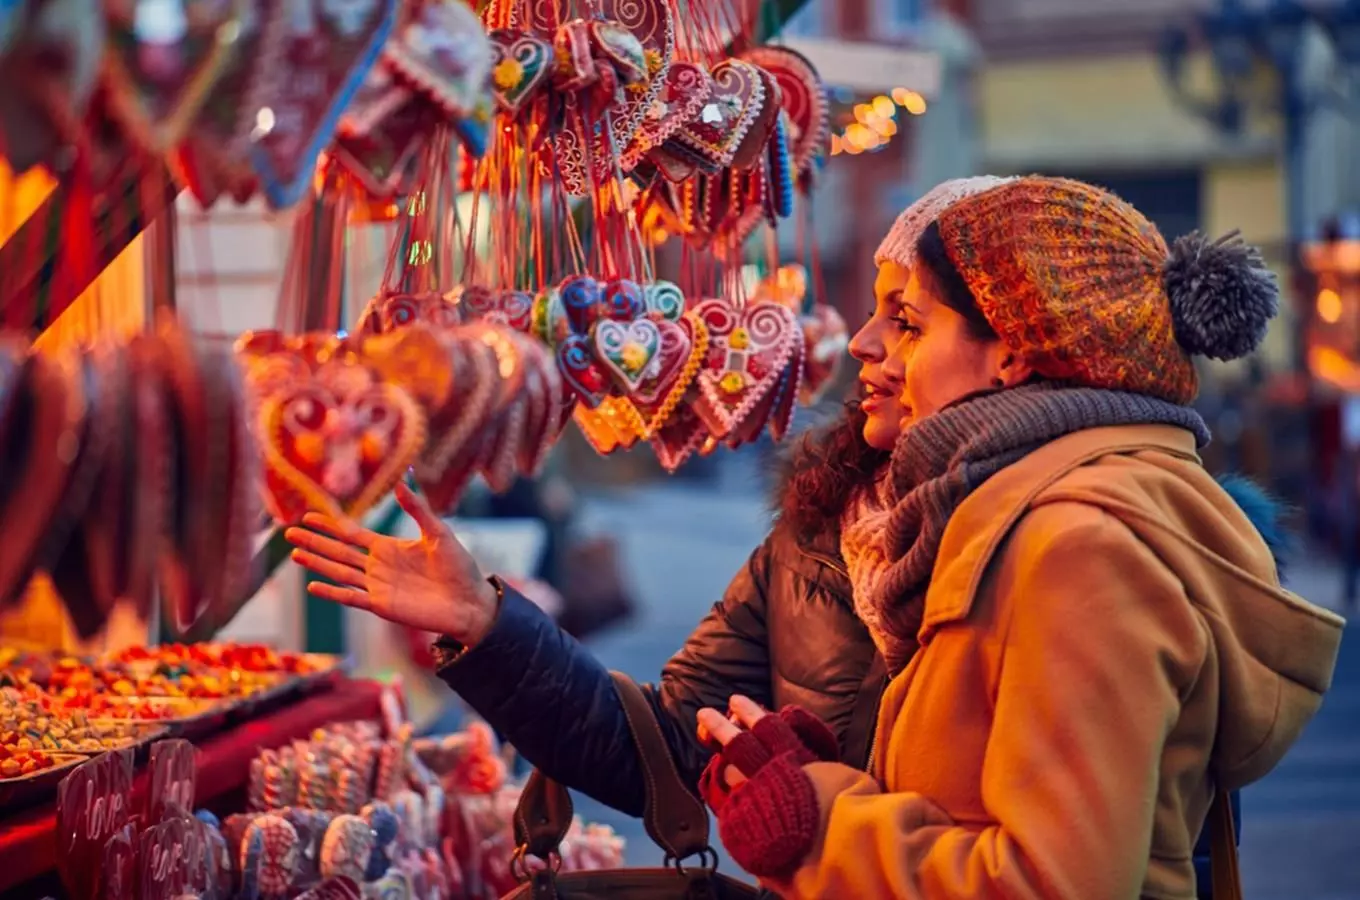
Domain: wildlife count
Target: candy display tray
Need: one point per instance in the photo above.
(24, 789)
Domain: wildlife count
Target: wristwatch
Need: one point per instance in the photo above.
(445, 650)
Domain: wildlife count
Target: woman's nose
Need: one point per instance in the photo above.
(867, 344)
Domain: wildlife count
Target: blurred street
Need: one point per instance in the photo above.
(683, 541)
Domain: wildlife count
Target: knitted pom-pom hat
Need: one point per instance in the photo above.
(900, 244)
(1082, 286)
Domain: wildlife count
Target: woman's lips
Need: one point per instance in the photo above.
(872, 397)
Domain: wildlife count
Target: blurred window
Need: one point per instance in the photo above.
(901, 17)
(808, 22)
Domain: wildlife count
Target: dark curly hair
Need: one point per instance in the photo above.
(824, 470)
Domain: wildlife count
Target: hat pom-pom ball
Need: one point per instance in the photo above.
(1222, 295)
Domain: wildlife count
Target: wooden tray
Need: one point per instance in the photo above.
(26, 789)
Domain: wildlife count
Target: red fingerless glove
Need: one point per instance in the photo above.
(769, 821)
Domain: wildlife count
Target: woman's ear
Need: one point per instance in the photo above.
(1011, 370)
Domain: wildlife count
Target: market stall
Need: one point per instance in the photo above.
(580, 210)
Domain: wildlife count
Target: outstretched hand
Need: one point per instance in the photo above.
(430, 583)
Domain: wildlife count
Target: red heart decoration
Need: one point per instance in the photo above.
(722, 123)
(678, 439)
(685, 89)
(450, 460)
(802, 96)
(337, 443)
(751, 149)
(381, 158)
(748, 353)
(508, 307)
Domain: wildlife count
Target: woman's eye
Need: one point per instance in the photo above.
(905, 326)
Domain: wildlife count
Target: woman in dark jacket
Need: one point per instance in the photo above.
(786, 631)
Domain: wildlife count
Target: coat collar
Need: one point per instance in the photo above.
(986, 517)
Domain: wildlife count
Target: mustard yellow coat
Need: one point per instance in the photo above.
(1105, 642)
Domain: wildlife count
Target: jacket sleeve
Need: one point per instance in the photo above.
(555, 702)
(1099, 644)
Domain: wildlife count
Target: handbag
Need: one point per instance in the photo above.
(675, 819)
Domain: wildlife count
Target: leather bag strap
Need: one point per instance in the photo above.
(1223, 863)
(674, 818)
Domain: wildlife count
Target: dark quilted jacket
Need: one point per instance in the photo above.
(785, 632)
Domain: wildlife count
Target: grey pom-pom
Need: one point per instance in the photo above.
(1222, 295)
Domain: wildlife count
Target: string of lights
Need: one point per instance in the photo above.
(872, 125)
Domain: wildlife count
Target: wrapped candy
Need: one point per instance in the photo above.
(310, 825)
(269, 859)
(338, 888)
(346, 848)
(385, 826)
(410, 809)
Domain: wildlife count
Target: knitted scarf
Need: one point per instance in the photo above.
(891, 533)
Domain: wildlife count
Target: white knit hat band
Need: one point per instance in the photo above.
(900, 244)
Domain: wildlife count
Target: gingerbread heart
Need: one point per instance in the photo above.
(747, 355)
(331, 46)
(628, 350)
(622, 49)
(664, 299)
(580, 371)
(337, 443)
(451, 458)
(543, 388)
(581, 298)
(826, 338)
(679, 438)
(684, 91)
(684, 346)
(520, 64)
(214, 156)
(445, 53)
(160, 75)
(750, 149)
(623, 300)
(803, 98)
(723, 122)
(514, 309)
(382, 158)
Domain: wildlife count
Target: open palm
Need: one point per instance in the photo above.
(430, 583)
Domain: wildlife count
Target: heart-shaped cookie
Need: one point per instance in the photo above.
(622, 49)
(748, 353)
(721, 125)
(215, 473)
(581, 298)
(684, 347)
(750, 151)
(628, 350)
(160, 75)
(520, 65)
(214, 155)
(679, 438)
(449, 461)
(337, 443)
(381, 160)
(623, 300)
(580, 371)
(826, 338)
(803, 98)
(685, 89)
(444, 52)
(387, 312)
(506, 307)
(331, 46)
